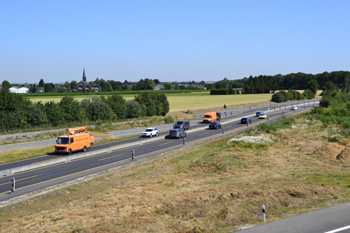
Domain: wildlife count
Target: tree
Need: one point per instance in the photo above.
(309, 94)
(33, 88)
(67, 86)
(5, 85)
(149, 84)
(36, 115)
(134, 109)
(330, 88)
(71, 108)
(167, 86)
(106, 86)
(313, 86)
(117, 104)
(346, 84)
(49, 87)
(279, 97)
(55, 113)
(73, 85)
(126, 87)
(12, 110)
(41, 83)
(98, 110)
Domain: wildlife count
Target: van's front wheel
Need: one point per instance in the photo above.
(69, 151)
(85, 149)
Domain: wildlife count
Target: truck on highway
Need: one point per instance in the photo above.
(211, 117)
(77, 139)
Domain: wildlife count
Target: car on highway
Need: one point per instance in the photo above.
(263, 116)
(294, 108)
(182, 125)
(214, 125)
(244, 120)
(177, 133)
(259, 113)
(150, 132)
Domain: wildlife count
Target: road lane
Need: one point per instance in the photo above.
(58, 173)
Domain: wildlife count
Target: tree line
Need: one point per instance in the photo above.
(19, 112)
(295, 81)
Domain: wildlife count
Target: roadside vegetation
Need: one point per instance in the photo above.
(17, 112)
(297, 165)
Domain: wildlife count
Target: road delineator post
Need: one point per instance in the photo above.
(263, 212)
(13, 185)
(184, 140)
(132, 154)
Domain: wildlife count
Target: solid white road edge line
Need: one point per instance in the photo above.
(339, 229)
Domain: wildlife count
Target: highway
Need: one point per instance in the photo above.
(40, 178)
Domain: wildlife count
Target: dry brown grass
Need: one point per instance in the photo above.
(213, 188)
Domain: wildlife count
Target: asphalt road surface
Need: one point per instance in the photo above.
(37, 179)
(329, 220)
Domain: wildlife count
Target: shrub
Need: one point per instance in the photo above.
(134, 109)
(169, 119)
(98, 110)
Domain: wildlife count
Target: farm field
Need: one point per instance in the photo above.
(185, 101)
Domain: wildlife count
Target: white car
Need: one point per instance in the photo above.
(150, 132)
(294, 108)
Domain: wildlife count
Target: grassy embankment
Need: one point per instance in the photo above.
(212, 188)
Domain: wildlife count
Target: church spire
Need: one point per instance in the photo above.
(84, 77)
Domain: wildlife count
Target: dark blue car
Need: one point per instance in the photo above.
(214, 125)
(259, 113)
(244, 120)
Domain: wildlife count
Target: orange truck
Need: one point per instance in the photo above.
(78, 139)
(211, 117)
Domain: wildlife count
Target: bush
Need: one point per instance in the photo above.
(36, 115)
(71, 108)
(278, 97)
(134, 109)
(169, 119)
(118, 105)
(98, 110)
(309, 94)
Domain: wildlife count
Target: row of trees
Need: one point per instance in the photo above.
(18, 112)
(295, 81)
(309, 93)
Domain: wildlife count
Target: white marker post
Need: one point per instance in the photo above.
(263, 213)
(13, 185)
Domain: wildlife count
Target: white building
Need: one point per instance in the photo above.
(19, 90)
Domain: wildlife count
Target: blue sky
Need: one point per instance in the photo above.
(180, 40)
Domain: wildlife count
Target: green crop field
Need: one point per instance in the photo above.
(183, 101)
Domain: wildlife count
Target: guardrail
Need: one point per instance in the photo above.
(11, 171)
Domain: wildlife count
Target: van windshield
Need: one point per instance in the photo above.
(207, 116)
(63, 141)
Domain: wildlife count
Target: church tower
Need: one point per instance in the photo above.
(84, 77)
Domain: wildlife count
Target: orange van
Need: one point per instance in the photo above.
(211, 117)
(75, 141)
